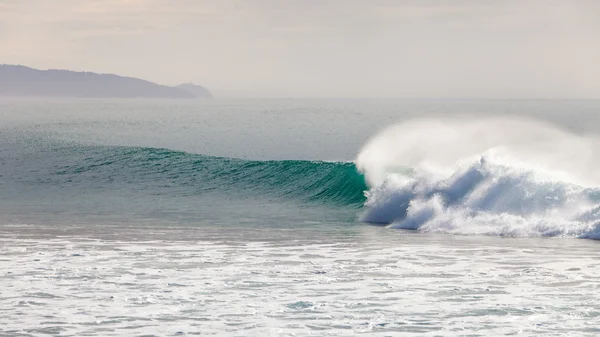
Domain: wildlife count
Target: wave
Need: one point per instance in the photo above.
(505, 178)
(486, 177)
(166, 171)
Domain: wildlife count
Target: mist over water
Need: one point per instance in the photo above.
(445, 142)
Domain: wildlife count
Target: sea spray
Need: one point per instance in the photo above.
(444, 143)
(493, 177)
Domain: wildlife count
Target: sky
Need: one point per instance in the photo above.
(319, 48)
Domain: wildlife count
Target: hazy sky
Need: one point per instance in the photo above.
(320, 48)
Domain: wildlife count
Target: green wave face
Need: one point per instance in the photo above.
(165, 171)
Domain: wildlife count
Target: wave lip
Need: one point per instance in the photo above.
(485, 197)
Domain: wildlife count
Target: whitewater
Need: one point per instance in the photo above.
(488, 177)
(299, 217)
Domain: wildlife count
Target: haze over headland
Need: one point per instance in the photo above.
(25, 81)
(329, 48)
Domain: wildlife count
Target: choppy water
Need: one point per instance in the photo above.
(250, 218)
(294, 283)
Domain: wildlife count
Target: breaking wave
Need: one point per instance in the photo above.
(488, 177)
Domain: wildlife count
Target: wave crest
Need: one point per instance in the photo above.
(496, 192)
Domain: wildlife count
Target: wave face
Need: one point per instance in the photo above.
(167, 172)
(504, 178)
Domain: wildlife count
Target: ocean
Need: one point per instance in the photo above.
(299, 217)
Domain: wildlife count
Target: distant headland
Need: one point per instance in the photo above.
(20, 81)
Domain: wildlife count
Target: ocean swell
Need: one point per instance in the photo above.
(163, 171)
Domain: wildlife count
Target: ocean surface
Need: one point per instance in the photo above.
(299, 217)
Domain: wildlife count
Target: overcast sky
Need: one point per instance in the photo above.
(320, 48)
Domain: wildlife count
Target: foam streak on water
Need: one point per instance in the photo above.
(370, 282)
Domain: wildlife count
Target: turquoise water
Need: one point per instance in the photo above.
(95, 180)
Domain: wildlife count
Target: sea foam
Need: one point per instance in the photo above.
(491, 177)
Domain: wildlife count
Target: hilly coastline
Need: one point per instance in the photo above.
(16, 80)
